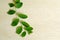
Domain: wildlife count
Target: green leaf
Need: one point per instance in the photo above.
(16, 1)
(11, 4)
(11, 12)
(19, 29)
(28, 28)
(23, 34)
(29, 32)
(25, 23)
(15, 21)
(18, 5)
(21, 15)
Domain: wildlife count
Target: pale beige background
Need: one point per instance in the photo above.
(44, 16)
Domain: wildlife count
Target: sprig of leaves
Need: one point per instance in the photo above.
(24, 27)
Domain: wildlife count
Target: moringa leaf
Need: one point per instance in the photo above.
(18, 5)
(15, 21)
(21, 15)
(11, 12)
(16, 1)
(23, 34)
(11, 4)
(24, 23)
(29, 32)
(28, 28)
(19, 29)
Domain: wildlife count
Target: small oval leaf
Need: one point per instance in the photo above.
(18, 5)
(11, 12)
(11, 4)
(19, 29)
(28, 28)
(15, 21)
(16, 1)
(23, 34)
(29, 32)
(25, 23)
(21, 15)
